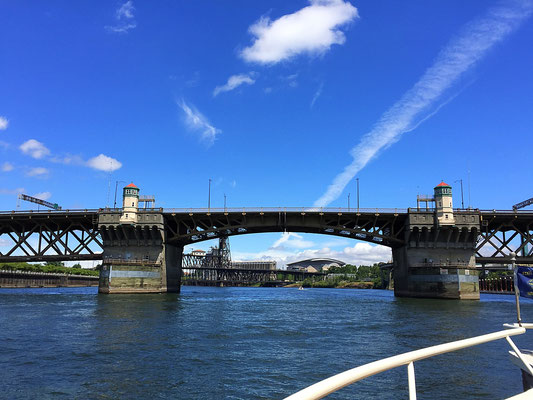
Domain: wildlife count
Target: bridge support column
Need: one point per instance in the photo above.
(137, 257)
(437, 261)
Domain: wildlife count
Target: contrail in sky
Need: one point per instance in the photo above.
(461, 53)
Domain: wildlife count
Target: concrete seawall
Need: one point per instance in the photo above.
(30, 279)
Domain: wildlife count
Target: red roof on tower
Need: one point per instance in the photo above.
(442, 184)
(131, 185)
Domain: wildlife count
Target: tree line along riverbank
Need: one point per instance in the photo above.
(348, 277)
(55, 267)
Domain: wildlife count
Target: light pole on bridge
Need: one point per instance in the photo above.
(116, 187)
(209, 197)
(357, 180)
(348, 202)
(462, 199)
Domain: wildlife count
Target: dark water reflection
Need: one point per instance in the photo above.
(244, 343)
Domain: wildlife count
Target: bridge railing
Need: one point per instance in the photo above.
(506, 211)
(52, 212)
(213, 210)
(205, 210)
(445, 265)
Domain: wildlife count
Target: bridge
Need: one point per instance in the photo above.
(435, 250)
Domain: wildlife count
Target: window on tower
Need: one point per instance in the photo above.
(133, 204)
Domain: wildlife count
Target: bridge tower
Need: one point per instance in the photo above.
(438, 259)
(130, 204)
(224, 252)
(443, 204)
(137, 255)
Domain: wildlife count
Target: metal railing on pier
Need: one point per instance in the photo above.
(502, 284)
(443, 265)
(130, 261)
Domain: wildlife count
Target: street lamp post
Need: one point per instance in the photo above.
(462, 198)
(357, 179)
(209, 197)
(348, 202)
(116, 187)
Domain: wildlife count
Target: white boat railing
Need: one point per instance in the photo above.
(336, 382)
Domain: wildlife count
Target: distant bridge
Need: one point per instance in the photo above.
(72, 235)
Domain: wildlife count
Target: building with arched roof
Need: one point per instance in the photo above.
(314, 264)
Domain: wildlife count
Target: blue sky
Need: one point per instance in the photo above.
(280, 103)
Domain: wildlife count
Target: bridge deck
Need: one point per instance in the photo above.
(50, 235)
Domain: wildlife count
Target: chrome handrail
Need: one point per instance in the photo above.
(336, 382)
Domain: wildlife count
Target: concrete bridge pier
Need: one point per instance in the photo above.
(438, 259)
(137, 255)
(137, 259)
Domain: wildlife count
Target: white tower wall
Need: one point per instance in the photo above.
(444, 204)
(130, 204)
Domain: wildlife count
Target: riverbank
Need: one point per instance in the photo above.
(333, 285)
(55, 268)
(32, 279)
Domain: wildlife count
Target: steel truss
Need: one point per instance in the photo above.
(74, 235)
(203, 269)
(502, 233)
(379, 228)
(53, 236)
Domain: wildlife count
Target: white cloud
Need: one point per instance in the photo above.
(125, 19)
(336, 242)
(12, 191)
(233, 183)
(125, 11)
(312, 30)
(68, 160)
(361, 253)
(38, 171)
(292, 240)
(104, 163)
(4, 122)
(317, 95)
(291, 79)
(38, 150)
(414, 107)
(7, 166)
(197, 122)
(43, 195)
(34, 149)
(234, 81)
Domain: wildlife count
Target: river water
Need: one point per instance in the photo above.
(245, 343)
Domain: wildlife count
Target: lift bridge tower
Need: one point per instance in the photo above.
(219, 257)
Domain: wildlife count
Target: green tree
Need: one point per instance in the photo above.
(54, 264)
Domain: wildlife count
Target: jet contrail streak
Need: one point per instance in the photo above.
(461, 54)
